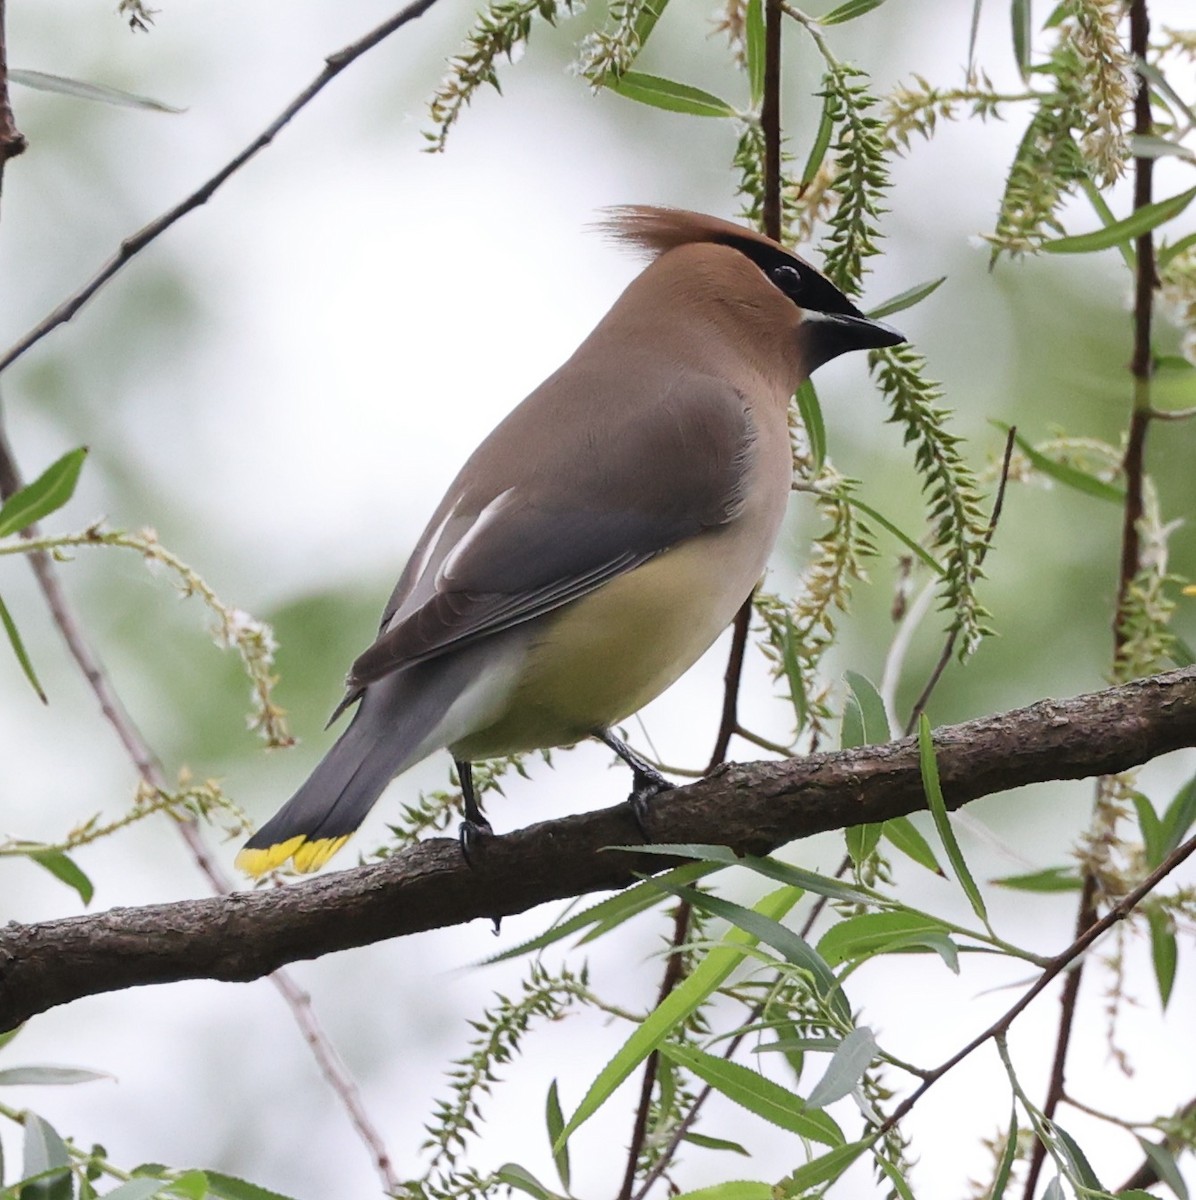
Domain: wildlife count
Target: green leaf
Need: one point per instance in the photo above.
(1164, 952)
(810, 409)
(229, 1187)
(906, 299)
(1081, 1170)
(555, 1120)
(1142, 146)
(46, 494)
(606, 915)
(869, 934)
(910, 544)
(1140, 221)
(43, 82)
(645, 23)
(45, 1154)
(900, 1187)
(907, 838)
(1053, 879)
(140, 1189)
(872, 710)
(1167, 252)
(515, 1176)
(712, 1143)
(1163, 1161)
(824, 1169)
(1008, 1154)
(754, 46)
(62, 867)
(1023, 23)
(751, 1090)
(1181, 653)
(670, 95)
(1062, 473)
(682, 1001)
(190, 1185)
(792, 669)
(784, 941)
(862, 841)
(938, 808)
(1151, 829)
(1178, 818)
(849, 11)
(977, 5)
(18, 648)
(847, 1066)
(822, 141)
(24, 1076)
(735, 1189)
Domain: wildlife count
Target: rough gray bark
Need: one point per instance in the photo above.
(751, 807)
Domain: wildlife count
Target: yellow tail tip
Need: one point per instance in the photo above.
(307, 855)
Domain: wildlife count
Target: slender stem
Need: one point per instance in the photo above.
(1133, 465)
(12, 141)
(729, 721)
(770, 118)
(133, 245)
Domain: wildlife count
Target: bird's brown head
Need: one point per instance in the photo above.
(762, 285)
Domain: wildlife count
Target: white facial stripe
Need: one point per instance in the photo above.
(485, 518)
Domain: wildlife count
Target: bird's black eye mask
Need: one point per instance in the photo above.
(801, 283)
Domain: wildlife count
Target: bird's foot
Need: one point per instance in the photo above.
(646, 784)
(473, 834)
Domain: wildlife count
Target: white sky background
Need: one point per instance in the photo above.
(358, 316)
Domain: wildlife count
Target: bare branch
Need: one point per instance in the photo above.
(752, 807)
(133, 245)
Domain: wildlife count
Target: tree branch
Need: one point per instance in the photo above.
(334, 64)
(752, 807)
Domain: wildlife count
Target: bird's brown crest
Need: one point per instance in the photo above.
(660, 229)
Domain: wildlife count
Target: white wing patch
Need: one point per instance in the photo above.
(485, 518)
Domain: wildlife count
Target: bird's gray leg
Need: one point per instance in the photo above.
(646, 780)
(475, 827)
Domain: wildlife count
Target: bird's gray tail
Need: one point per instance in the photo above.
(391, 731)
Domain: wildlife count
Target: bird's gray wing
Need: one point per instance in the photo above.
(515, 539)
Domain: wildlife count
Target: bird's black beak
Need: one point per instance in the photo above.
(827, 335)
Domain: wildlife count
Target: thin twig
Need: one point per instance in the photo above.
(1057, 965)
(1141, 366)
(12, 141)
(133, 245)
(729, 721)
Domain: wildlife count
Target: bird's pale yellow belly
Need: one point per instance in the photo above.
(603, 657)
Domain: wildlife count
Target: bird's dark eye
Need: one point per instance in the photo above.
(787, 278)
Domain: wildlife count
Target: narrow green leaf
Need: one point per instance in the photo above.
(1022, 20)
(872, 709)
(47, 493)
(822, 140)
(645, 23)
(977, 5)
(862, 841)
(754, 46)
(706, 1142)
(851, 726)
(555, 1120)
(751, 1090)
(907, 299)
(140, 1189)
(43, 82)
(1140, 221)
(1178, 818)
(8, 1035)
(670, 95)
(849, 11)
(1082, 1172)
(907, 838)
(1062, 473)
(709, 975)
(606, 915)
(824, 1169)
(910, 544)
(938, 807)
(18, 648)
(810, 410)
(1181, 653)
(793, 676)
(1142, 146)
(1163, 1161)
(45, 1153)
(1008, 1154)
(847, 1066)
(735, 1189)
(784, 941)
(56, 1076)
(62, 867)
(900, 1186)
(1054, 1190)
(190, 1185)
(1167, 252)
(520, 1178)
(1151, 829)
(874, 933)
(1053, 879)
(1164, 952)
(229, 1187)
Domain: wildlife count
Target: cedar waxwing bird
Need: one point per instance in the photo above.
(600, 539)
